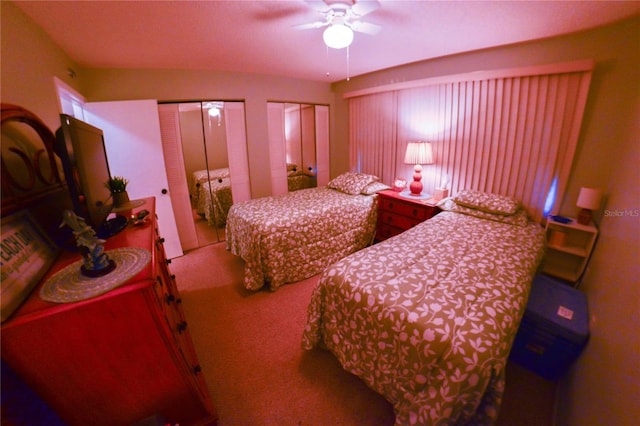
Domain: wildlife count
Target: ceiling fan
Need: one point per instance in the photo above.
(342, 18)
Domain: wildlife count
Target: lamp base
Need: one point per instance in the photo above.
(416, 186)
(584, 217)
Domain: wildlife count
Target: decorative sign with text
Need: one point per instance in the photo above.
(26, 253)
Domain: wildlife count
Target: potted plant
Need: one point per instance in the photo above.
(118, 187)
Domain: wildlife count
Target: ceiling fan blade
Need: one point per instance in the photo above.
(365, 27)
(318, 5)
(311, 25)
(363, 7)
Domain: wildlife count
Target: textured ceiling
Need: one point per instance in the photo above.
(258, 36)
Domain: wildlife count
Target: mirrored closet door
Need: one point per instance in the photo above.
(212, 142)
(300, 146)
(299, 138)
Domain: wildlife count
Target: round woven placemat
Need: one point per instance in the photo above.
(69, 285)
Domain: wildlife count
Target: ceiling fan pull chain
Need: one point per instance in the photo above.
(326, 56)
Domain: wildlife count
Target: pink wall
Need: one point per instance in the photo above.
(30, 60)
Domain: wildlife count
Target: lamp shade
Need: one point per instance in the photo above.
(589, 198)
(418, 153)
(338, 36)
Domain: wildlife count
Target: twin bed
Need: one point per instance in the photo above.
(426, 318)
(212, 198)
(290, 237)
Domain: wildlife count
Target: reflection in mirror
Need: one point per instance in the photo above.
(300, 145)
(204, 146)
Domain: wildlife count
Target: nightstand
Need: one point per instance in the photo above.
(396, 214)
(569, 246)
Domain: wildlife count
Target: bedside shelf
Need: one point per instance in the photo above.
(576, 251)
(569, 246)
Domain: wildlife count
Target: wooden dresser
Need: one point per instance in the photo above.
(118, 358)
(397, 214)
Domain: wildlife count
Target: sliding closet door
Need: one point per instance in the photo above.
(298, 136)
(237, 151)
(277, 147)
(177, 175)
(322, 144)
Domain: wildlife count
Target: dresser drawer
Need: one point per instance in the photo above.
(386, 231)
(404, 209)
(395, 220)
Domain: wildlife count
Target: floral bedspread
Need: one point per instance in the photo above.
(290, 237)
(427, 318)
(201, 176)
(197, 179)
(300, 180)
(215, 200)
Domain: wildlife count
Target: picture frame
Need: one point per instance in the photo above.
(26, 254)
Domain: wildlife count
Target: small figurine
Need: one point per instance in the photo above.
(95, 261)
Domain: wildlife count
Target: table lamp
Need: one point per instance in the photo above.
(588, 200)
(418, 153)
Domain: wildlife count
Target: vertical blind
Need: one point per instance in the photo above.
(373, 129)
(513, 134)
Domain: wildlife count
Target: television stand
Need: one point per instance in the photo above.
(126, 353)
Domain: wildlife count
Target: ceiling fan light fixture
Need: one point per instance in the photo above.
(338, 36)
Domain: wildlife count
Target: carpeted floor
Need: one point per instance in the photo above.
(248, 344)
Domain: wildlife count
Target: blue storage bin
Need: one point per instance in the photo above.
(554, 328)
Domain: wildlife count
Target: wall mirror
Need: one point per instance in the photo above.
(204, 148)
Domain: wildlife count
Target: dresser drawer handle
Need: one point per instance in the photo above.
(161, 240)
(182, 326)
(415, 212)
(197, 369)
(159, 280)
(170, 298)
(168, 261)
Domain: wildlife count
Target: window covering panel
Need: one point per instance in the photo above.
(373, 129)
(511, 135)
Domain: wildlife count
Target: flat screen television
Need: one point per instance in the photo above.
(83, 155)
